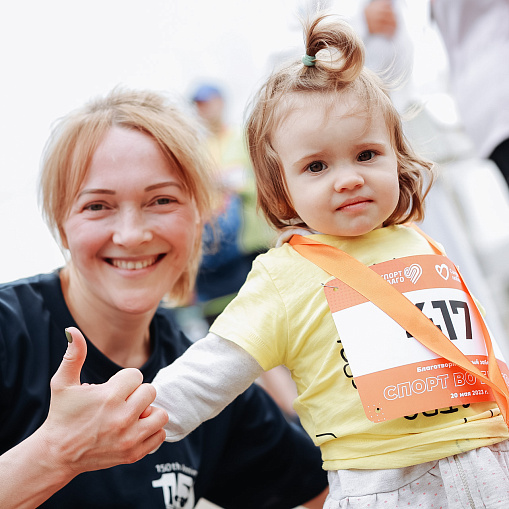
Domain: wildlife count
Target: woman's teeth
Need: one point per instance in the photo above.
(133, 265)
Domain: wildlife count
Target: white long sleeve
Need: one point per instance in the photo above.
(202, 382)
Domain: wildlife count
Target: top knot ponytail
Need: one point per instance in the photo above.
(337, 50)
(331, 67)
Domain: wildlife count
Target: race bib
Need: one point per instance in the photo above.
(394, 373)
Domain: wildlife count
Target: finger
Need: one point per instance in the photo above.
(152, 443)
(150, 434)
(139, 401)
(153, 423)
(69, 371)
(146, 412)
(124, 382)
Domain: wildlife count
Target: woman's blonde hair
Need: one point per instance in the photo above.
(75, 138)
(335, 58)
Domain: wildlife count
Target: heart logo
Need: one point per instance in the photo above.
(443, 271)
(413, 272)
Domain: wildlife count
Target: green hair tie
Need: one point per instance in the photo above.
(308, 60)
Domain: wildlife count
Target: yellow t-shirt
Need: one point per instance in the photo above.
(281, 316)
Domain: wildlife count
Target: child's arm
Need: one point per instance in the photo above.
(202, 382)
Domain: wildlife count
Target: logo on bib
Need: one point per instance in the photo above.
(443, 271)
(413, 272)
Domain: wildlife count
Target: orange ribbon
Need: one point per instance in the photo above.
(383, 295)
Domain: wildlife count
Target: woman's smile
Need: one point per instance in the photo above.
(134, 264)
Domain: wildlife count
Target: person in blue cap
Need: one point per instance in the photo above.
(237, 234)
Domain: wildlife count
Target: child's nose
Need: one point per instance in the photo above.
(347, 178)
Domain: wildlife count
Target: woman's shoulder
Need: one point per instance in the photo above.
(31, 310)
(30, 290)
(32, 342)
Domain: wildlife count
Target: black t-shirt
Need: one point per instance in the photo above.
(246, 457)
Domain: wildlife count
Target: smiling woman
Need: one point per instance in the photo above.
(133, 229)
(125, 188)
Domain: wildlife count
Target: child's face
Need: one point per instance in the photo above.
(341, 170)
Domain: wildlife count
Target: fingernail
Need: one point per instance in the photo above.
(68, 335)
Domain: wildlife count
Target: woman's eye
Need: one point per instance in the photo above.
(163, 200)
(367, 155)
(94, 207)
(316, 166)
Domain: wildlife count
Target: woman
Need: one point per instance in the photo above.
(125, 190)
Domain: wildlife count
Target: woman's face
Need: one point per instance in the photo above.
(132, 227)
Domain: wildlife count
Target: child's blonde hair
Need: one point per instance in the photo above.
(75, 138)
(337, 68)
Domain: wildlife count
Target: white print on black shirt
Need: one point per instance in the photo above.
(177, 483)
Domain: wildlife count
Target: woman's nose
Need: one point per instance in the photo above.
(131, 229)
(347, 178)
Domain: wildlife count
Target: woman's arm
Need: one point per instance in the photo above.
(202, 382)
(89, 427)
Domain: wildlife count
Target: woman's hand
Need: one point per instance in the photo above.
(89, 427)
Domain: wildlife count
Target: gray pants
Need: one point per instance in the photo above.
(474, 479)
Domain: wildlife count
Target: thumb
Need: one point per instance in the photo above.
(69, 370)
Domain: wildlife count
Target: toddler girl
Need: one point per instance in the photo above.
(398, 423)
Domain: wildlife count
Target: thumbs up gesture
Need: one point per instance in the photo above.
(99, 426)
(89, 427)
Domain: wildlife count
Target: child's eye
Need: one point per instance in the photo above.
(316, 166)
(367, 155)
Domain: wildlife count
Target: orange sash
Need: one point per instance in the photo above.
(382, 294)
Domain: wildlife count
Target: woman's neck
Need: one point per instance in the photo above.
(123, 337)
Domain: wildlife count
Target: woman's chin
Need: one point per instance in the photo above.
(137, 305)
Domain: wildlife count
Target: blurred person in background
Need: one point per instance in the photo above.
(476, 37)
(237, 233)
(389, 48)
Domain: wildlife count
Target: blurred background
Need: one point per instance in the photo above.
(56, 54)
